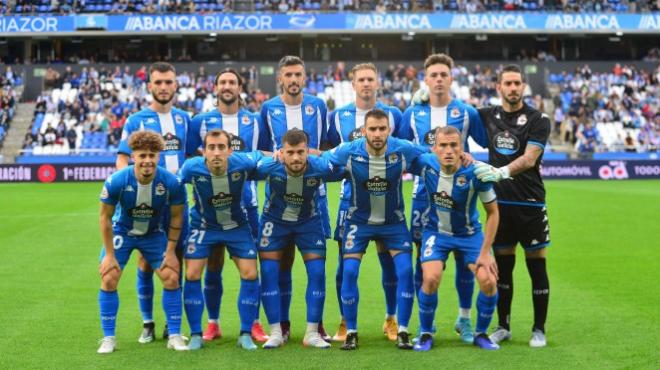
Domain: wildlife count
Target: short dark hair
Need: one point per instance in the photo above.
(161, 67)
(218, 133)
(229, 70)
(439, 59)
(290, 60)
(376, 114)
(510, 68)
(295, 136)
(146, 140)
(446, 130)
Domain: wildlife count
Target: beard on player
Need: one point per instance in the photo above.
(231, 99)
(162, 97)
(293, 89)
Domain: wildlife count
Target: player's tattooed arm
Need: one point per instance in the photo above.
(525, 161)
(109, 261)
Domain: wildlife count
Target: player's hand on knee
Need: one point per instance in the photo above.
(487, 261)
(170, 261)
(488, 173)
(108, 264)
(421, 96)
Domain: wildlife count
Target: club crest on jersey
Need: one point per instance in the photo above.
(377, 185)
(309, 109)
(264, 242)
(143, 211)
(428, 251)
(443, 200)
(236, 176)
(505, 143)
(245, 120)
(191, 248)
(349, 244)
(522, 119)
(393, 158)
(221, 200)
(178, 119)
(461, 180)
(104, 193)
(312, 181)
(429, 138)
(454, 113)
(355, 134)
(160, 189)
(171, 142)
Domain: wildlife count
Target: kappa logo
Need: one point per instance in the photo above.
(202, 179)
(319, 243)
(347, 114)
(454, 113)
(360, 159)
(129, 188)
(431, 171)
(309, 109)
(151, 120)
(251, 252)
(277, 112)
(406, 244)
(421, 114)
(160, 189)
(213, 120)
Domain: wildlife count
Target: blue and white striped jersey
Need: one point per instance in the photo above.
(420, 121)
(278, 118)
(452, 207)
(218, 198)
(172, 126)
(140, 209)
(376, 180)
(345, 125)
(244, 126)
(294, 198)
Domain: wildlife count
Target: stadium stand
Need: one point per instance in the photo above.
(9, 82)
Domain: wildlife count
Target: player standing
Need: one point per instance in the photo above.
(293, 109)
(218, 179)
(142, 194)
(419, 124)
(375, 165)
(452, 225)
(172, 124)
(243, 126)
(291, 215)
(345, 125)
(517, 136)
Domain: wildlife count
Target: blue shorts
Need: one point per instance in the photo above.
(307, 235)
(437, 246)
(344, 205)
(252, 214)
(325, 216)
(151, 247)
(357, 236)
(416, 212)
(239, 242)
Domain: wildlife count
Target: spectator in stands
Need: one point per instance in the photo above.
(588, 138)
(629, 144)
(51, 79)
(71, 137)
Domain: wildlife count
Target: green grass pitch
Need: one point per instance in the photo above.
(603, 268)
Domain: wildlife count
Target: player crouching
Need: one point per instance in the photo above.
(143, 193)
(452, 225)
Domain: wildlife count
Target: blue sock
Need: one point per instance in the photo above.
(248, 300)
(350, 295)
(485, 308)
(109, 305)
(193, 301)
(213, 293)
(405, 289)
(464, 283)
(145, 293)
(427, 306)
(419, 274)
(172, 307)
(315, 295)
(286, 289)
(270, 289)
(338, 279)
(388, 278)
